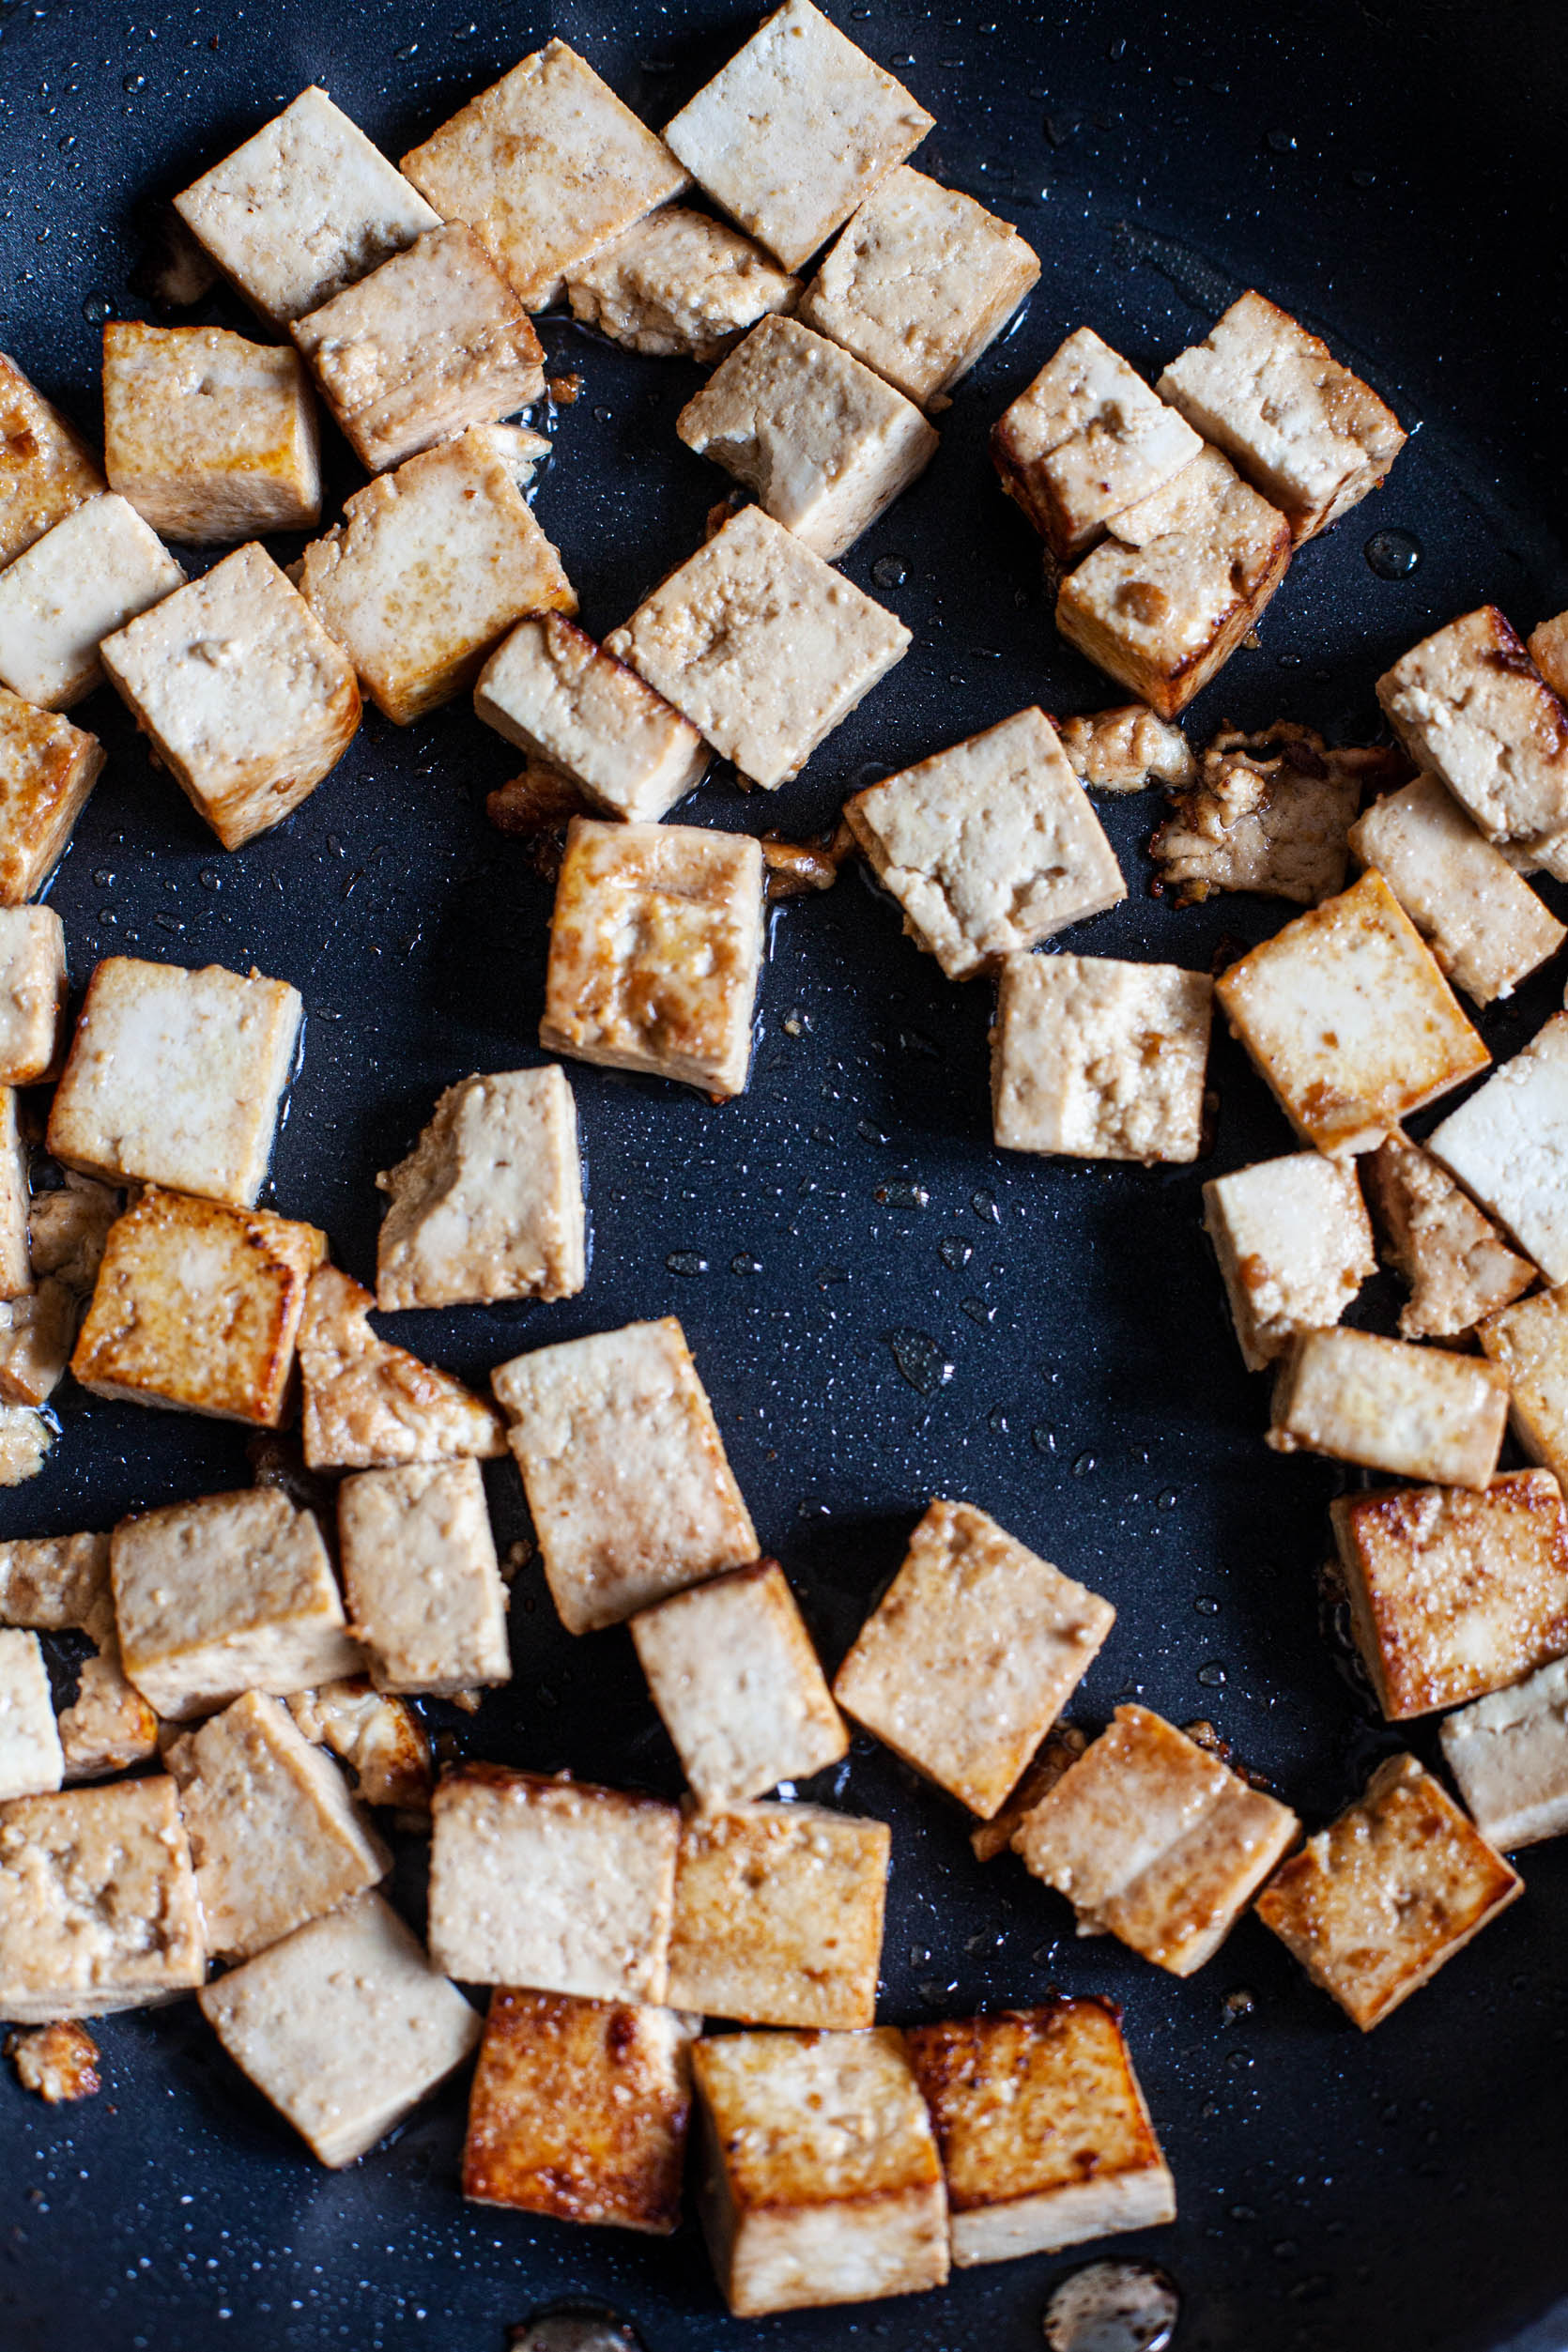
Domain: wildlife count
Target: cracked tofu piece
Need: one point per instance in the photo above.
(1125, 749)
(1349, 1019)
(45, 467)
(971, 1654)
(32, 994)
(1045, 2136)
(83, 579)
(825, 444)
(370, 1406)
(1099, 1059)
(343, 2026)
(227, 1594)
(1509, 1753)
(1415, 1412)
(778, 1916)
(553, 1883)
(1294, 1243)
(1508, 1145)
(624, 1470)
(379, 1738)
(550, 689)
(56, 1583)
(26, 1438)
(58, 2062)
(212, 438)
(109, 1726)
(65, 1235)
(989, 847)
(99, 1909)
(47, 769)
(1547, 647)
(1154, 1840)
(655, 951)
(1062, 1747)
(30, 1758)
(1529, 1342)
(419, 1571)
(1084, 442)
(36, 1335)
(678, 286)
(16, 1261)
(1486, 926)
(1468, 704)
(761, 645)
(1272, 820)
(1457, 1263)
(733, 1672)
(1376, 1904)
(303, 207)
(820, 2181)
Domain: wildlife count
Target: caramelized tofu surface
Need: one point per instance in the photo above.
(679, 284)
(33, 992)
(1269, 813)
(45, 467)
(47, 769)
(550, 689)
(420, 1571)
(1124, 750)
(1529, 1343)
(1484, 923)
(371, 1406)
(779, 1915)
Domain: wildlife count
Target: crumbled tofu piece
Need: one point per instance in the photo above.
(32, 994)
(1486, 926)
(1509, 1753)
(1084, 442)
(1124, 750)
(1508, 1145)
(227, 1594)
(25, 1438)
(379, 1738)
(16, 1262)
(679, 285)
(419, 1571)
(370, 1406)
(1273, 821)
(761, 645)
(429, 568)
(1063, 1746)
(989, 847)
(1416, 1412)
(86, 579)
(30, 1759)
(1294, 1243)
(550, 689)
(58, 2062)
(520, 449)
(45, 467)
(733, 1674)
(1156, 1841)
(1547, 647)
(109, 1726)
(1468, 703)
(212, 438)
(66, 1235)
(624, 1470)
(69, 1229)
(820, 2179)
(37, 1333)
(345, 2026)
(538, 801)
(48, 768)
(1099, 1059)
(304, 207)
(655, 951)
(98, 1902)
(971, 1654)
(56, 1583)
(1376, 1904)
(1529, 1342)
(1455, 1260)
(779, 1915)
(1349, 1021)
(826, 445)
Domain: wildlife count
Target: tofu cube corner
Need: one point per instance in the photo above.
(1295, 1245)
(33, 993)
(1508, 1145)
(1468, 705)
(371, 1406)
(46, 468)
(1425, 1413)
(1099, 1059)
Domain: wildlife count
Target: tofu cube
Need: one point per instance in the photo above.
(16, 1265)
(624, 1471)
(580, 2110)
(1125, 749)
(47, 769)
(343, 2026)
(820, 2179)
(30, 1758)
(1529, 1343)
(420, 1570)
(32, 994)
(655, 951)
(212, 438)
(552, 1883)
(99, 1908)
(1416, 1412)
(1455, 1260)
(971, 1654)
(83, 579)
(69, 1229)
(38, 1332)
(230, 1593)
(1508, 1145)
(1062, 1747)
(1376, 1902)
(733, 1674)
(429, 568)
(1099, 1059)
(109, 1726)
(1484, 925)
(1084, 442)
(1509, 1753)
(56, 1583)
(431, 342)
(1547, 647)
(370, 1406)
(1274, 821)
(778, 1916)
(761, 645)
(1045, 2137)
(45, 467)
(1151, 1838)
(304, 207)
(550, 689)
(1349, 1019)
(197, 1306)
(175, 1077)
(1468, 704)
(1294, 1243)
(680, 286)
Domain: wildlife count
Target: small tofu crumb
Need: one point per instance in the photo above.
(1457, 1263)
(379, 1738)
(370, 1406)
(679, 285)
(58, 2062)
(1486, 926)
(1275, 821)
(1125, 749)
(1416, 1412)
(1099, 1059)
(1063, 1746)
(1294, 1243)
(25, 1438)
(1509, 1753)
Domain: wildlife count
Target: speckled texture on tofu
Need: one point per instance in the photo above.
(1294, 1243)
(1468, 704)
(779, 1915)
(1086, 440)
(83, 580)
(1508, 1144)
(1509, 1753)
(371, 1406)
(1484, 923)
(1529, 1340)
(48, 768)
(32, 993)
(30, 1758)
(424, 1588)
(1457, 1263)
(16, 1261)
(1415, 1412)
(98, 1902)
(1547, 647)
(1126, 748)
(212, 438)
(45, 467)
(56, 1583)
(680, 286)
(1099, 1059)
(550, 689)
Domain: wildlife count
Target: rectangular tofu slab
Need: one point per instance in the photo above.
(1509, 1753)
(419, 1571)
(212, 438)
(371, 1406)
(1125, 749)
(45, 467)
(1458, 1265)
(1468, 704)
(1529, 1343)
(83, 579)
(1416, 1412)
(1294, 1243)
(679, 285)
(32, 994)
(47, 769)
(550, 689)
(30, 1758)
(99, 1908)
(1099, 1059)
(779, 1915)
(1084, 442)
(1484, 923)
(1508, 1145)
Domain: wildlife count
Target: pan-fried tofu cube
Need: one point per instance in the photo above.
(99, 1908)
(370, 1406)
(1294, 1243)
(489, 1202)
(1152, 1839)
(1547, 647)
(37, 1333)
(1124, 750)
(1084, 442)
(419, 1567)
(779, 1912)
(428, 569)
(1276, 820)
(761, 645)
(820, 2179)
(379, 1738)
(198, 1306)
(825, 444)
(1376, 1902)
(45, 467)
(971, 1654)
(274, 1835)
(1416, 1412)
(431, 342)
(1486, 926)
(32, 994)
(655, 951)
(230, 1593)
(1509, 1753)
(66, 1232)
(1349, 1021)
(1468, 704)
(16, 1263)
(48, 768)
(679, 285)
(1529, 1342)
(1099, 1059)
(304, 207)
(109, 1726)
(1508, 1144)
(550, 689)
(624, 1470)
(175, 1077)
(212, 438)
(1044, 2134)
(1457, 1263)
(1454, 1594)
(580, 2110)
(30, 1758)
(733, 1672)
(56, 1583)
(83, 579)
(343, 2026)
(551, 1882)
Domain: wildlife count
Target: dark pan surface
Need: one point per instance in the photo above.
(1393, 176)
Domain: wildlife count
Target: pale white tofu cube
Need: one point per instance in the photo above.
(30, 1758)
(1416, 1412)
(1486, 926)
(1547, 647)
(1294, 1243)
(45, 466)
(1509, 1753)
(99, 1908)
(1508, 1144)
(1099, 1059)
(778, 1916)
(680, 286)
(47, 769)
(1084, 441)
(1529, 1342)
(1125, 749)
(212, 438)
(550, 689)
(1457, 1263)
(16, 1261)
(370, 1406)
(83, 580)
(419, 1571)
(1269, 812)
(1468, 704)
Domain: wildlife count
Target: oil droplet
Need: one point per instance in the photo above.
(96, 309)
(952, 1252)
(822, 1134)
(1168, 1502)
(903, 1195)
(888, 570)
(1043, 1440)
(1363, 179)
(978, 1311)
(741, 1264)
(930, 1988)
(134, 82)
(1393, 554)
(997, 1419)
(1211, 1676)
(1243, 2213)
(984, 1205)
(1282, 141)
(686, 1262)
(210, 878)
(810, 1507)
(795, 1025)
(604, 415)
(1207, 1606)
(919, 1956)
(104, 879)
(920, 1360)
(868, 1131)
(1082, 1466)
(1113, 2307)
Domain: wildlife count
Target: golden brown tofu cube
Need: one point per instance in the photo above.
(99, 1908)
(1084, 442)
(1415, 1412)
(210, 438)
(48, 768)
(370, 1406)
(45, 467)
(779, 1915)
(1457, 1263)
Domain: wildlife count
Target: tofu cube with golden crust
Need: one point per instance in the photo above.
(30, 1758)
(550, 689)
(1099, 1059)
(45, 467)
(1509, 1753)
(212, 438)
(680, 286)
(83, 579)
(1457, 1263)
(1376, 1904)
(1529, 1342)
(624, 1470)
(1270, 813)
(1484, 923)
(1294, 1243)
(820, 2179)
(1154, 1839)
(779, 1915)
(370, 1406)
(32, 994)
(1124, 750)
(99, 1908)
(343, 2026)
(1468, 704)
(580, 2110)
(1508, 1145)
(47, 769)
(420, 1570)
(1084, 442)
(1045, 2136)
(1415, 1412)
(1547, 647)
